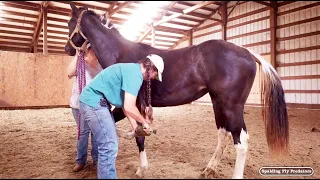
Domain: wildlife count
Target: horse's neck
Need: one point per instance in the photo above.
(110, 47)
(106, 46)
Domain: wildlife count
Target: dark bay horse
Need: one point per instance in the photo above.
(222, 69)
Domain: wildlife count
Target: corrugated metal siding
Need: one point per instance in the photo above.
(256, 36)
(297, 84)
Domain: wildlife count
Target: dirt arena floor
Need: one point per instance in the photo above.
(42, 144)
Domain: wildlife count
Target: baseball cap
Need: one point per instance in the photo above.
(88, 46)
(158, 63)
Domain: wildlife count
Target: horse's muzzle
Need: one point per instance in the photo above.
(69, 50)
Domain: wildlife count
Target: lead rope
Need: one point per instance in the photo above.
(81, 75)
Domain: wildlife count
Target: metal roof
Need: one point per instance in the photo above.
(21, 22)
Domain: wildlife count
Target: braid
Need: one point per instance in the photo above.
(148, 85)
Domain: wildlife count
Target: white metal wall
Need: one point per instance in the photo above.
(299, 57)
(249, 25)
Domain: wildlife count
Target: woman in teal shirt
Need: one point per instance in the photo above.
(118, 85)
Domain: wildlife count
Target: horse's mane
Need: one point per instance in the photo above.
(104, 21)
(103, 18)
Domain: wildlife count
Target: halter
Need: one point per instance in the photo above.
(77, 29)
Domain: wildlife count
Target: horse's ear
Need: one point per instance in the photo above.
(85, 7)
(73, 7)
(103, 19)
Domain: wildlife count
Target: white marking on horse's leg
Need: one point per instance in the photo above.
(242, 149)
(144, 164)
(224, 138)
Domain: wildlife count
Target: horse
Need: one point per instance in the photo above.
(224, 70)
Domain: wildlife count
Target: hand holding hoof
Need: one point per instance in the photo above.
(141, 131)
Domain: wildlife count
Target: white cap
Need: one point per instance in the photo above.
(158, 63)
(88, 45)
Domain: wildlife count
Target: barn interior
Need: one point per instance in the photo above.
(39, 132)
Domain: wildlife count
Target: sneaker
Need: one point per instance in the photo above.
(78, 167)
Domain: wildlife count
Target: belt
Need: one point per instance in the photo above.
(104, 102)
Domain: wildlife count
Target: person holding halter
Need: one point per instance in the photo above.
(91, 69)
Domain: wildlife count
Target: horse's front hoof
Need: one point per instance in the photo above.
(208, 173)
(140, 173)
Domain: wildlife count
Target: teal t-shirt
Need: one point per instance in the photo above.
(112, 82)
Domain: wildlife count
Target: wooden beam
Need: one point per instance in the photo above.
(15, 38)
(248, 14)
(15, 26)
(299, 36)
(186, 36)
(207, 33)
(299, 49)
(298, 63)
(299, 8)
(123, 5)
(273, 4)
(158, 40)
(157, 19)
(114, 3)
(186, 11)
(13, 4)
(17, 20)
(16, 32)
(19, 49)
(248, 34)
(10, 12)
(273, 33)
(15, 43)
(224, 17)
(233, 8)
(300, 77)
(45, 43)
(37, 31)
(38, 27)
(285, 3)
(189, 4)
(153, 33)
(166, 36)
(190, 35)
(169, 29)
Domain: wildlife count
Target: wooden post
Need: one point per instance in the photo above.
(190, 34)
(45, 42)
(153, 34)
(224, 17)
(273, 32)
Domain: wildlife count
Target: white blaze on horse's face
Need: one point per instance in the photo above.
(242, 149)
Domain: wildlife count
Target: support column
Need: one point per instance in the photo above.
(224, 20)
(153, 34)
(45, 42)
(190, 34)
(273, 33)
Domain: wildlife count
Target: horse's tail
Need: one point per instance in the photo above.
(274, 108)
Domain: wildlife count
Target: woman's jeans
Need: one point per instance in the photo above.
(103, 127)
(82, 142)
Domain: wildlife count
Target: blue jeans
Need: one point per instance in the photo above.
(103, 126)
(82, 142)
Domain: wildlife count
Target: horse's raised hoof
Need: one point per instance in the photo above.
(140, 173)
(208, 173)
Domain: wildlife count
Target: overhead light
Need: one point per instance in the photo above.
(142, 16)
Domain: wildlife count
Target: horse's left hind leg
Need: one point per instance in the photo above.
(224, 138)
(143, 157)
(229, 121)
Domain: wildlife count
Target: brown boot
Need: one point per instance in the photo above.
(78, 167)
